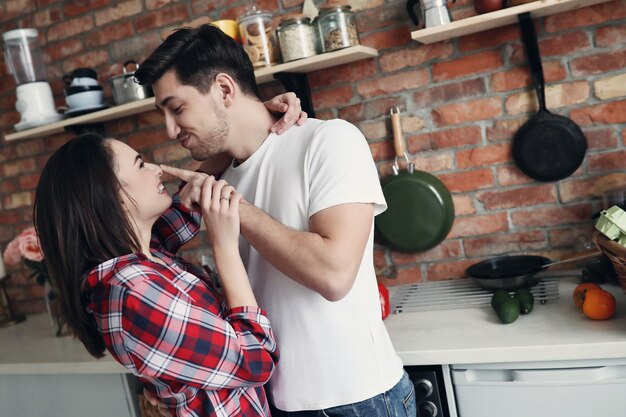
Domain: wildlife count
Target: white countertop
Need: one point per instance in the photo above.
(552, 331)
(31, 348)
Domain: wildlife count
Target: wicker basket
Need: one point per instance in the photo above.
(616, 254)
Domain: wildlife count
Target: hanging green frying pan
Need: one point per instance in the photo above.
(420, 210)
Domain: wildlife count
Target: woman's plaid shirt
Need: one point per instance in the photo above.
(171, 328)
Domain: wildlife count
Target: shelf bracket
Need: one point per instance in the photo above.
(79, 129)
(299, 84)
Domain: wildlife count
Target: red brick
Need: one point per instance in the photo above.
(464, 181)
(516, 78)
(408, 276)
(382, 150)
(118, 12)
(479, 224)
(64, 48)
(447, 138)
(448, 249)
(483, 156)
(518, 197)
(601, 138)
(606, 161)
(145, 139)
(157, 4)
(414, 55)
(355, 71)
(598, 63)
(563, 45)
(463, 205)
(511, 175)
(469, 111)
(70, 27)
(333, 97)
(449, 92)
(108, 34)
(610, 36)
(47, 17)
(504, 129)
(504, 244)
(447, 270)
(467, 65)
(573, 237)
(371, 109)
(489, 38)
(75, 8)
(17, 200)
(551, 216)
(374, 17)
(161, 17)
(29, 148)
(606, 113)
(16, 167)
(373, 130)
(93, 58)
(29, 181)
(587, 16)
(387, 38)
(9, 218)
(393, 83)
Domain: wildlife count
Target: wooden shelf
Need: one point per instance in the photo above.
(497, 19)
(263, 75)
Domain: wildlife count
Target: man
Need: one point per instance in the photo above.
(311, 197)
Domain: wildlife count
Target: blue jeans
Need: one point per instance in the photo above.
(399, 401)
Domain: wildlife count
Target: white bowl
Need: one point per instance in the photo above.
(85, 99)
(84, 81)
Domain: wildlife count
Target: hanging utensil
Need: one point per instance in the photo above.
(548, 147)
(420, 211)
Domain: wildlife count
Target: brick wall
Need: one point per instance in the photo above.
(461, 102)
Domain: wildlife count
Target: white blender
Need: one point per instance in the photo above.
(24, 60)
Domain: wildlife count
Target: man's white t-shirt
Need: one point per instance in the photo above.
(331, 353)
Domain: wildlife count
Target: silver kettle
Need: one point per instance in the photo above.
(431, 12)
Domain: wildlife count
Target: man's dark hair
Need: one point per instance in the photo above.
(197, 56)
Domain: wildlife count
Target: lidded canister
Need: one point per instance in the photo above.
(297, 37)
(336, 26)
(258, 37)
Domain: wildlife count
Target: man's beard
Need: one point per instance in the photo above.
(214, 141)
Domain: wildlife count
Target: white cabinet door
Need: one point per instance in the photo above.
(101, 395)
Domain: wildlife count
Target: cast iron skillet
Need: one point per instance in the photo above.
(516, 271)
(548, 147)
(420, 211)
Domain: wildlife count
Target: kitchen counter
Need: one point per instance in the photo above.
(555, 331)
(552, 331)
(31, 348)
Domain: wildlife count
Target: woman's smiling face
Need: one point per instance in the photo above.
(143, 193)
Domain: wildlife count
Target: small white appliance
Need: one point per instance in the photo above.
(24, 60)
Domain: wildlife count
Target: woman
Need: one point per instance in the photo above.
(109, 232)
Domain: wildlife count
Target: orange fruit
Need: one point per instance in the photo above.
(599, 304)
(579, 293)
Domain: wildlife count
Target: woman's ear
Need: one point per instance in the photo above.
(227, 88)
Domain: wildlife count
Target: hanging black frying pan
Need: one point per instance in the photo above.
(548, 147)
(420, 211)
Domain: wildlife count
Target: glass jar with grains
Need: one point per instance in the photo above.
(337, 28)
(258, 37)
(296, 37)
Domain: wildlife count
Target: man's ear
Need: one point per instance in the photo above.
(227, 88)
